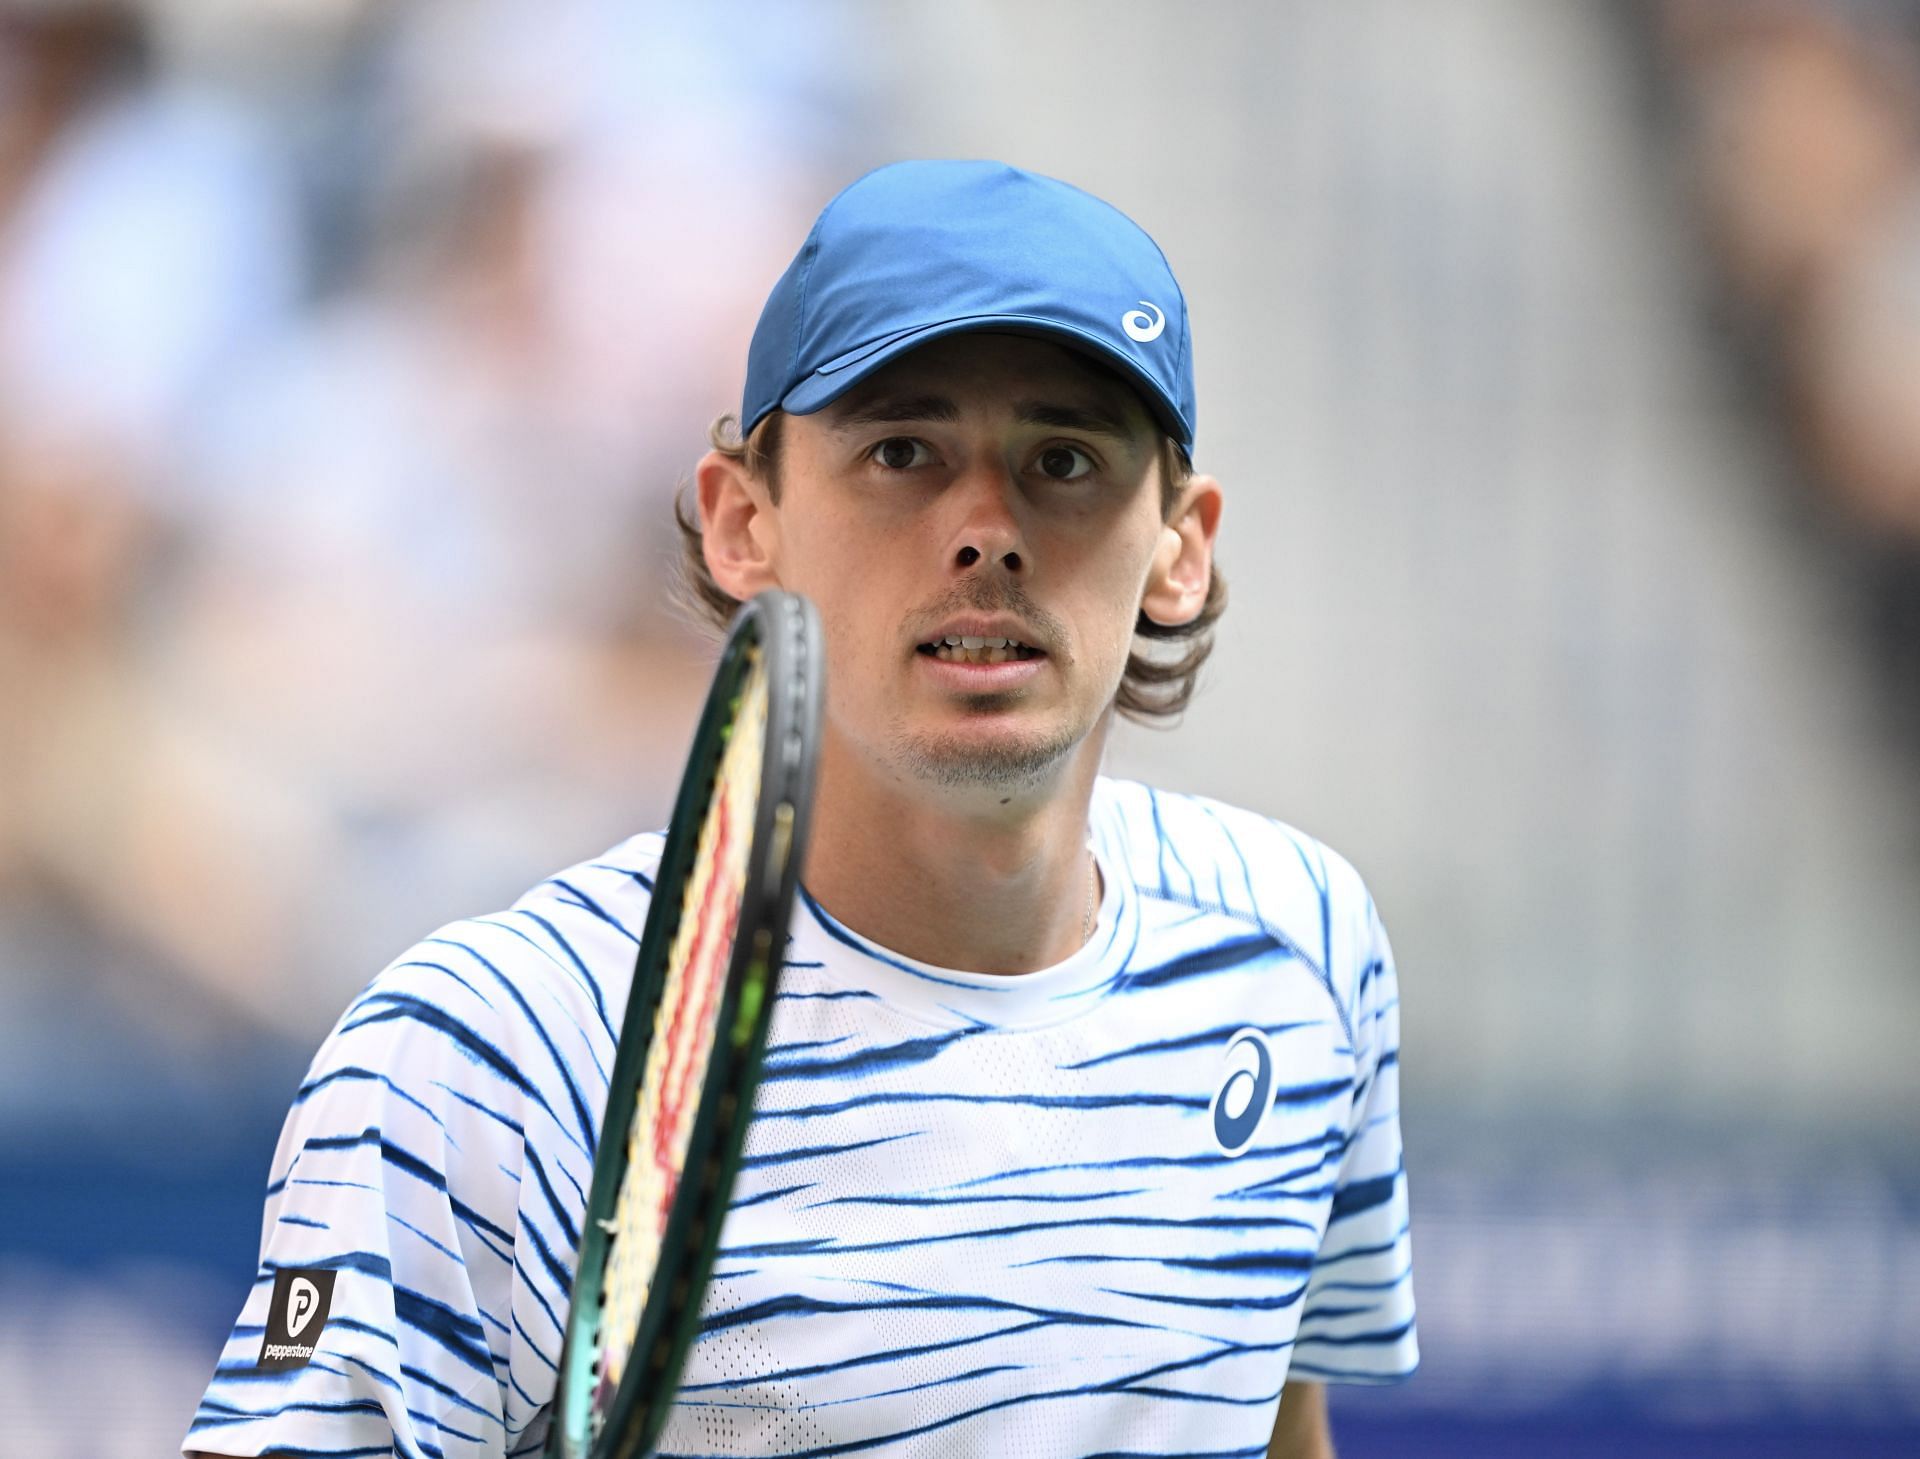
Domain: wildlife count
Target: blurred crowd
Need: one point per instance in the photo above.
(351, 350)
(1799, 125)
(350, 354)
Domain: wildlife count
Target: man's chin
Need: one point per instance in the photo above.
(1001, 759)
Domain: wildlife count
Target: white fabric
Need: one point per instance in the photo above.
(977, 1214)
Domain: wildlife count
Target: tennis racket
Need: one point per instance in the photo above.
(681, 1094)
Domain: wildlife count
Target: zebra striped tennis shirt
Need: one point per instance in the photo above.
(1105, 1208)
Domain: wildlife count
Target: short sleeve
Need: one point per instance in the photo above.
(427, 1187)
(1357, 1325)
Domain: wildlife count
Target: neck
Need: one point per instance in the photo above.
(978, 881)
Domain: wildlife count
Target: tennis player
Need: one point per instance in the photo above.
(1079, 1130)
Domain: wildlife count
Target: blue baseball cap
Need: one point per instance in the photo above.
(919, 250)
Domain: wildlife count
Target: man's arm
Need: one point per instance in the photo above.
(1302, 1431)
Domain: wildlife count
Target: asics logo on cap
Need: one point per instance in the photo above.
(1143, 326)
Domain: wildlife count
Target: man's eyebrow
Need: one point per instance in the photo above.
(880, 410)
(1095, 420)
(889, 409)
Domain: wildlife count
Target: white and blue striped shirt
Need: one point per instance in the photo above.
(1103, 1208)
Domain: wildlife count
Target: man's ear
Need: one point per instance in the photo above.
(739, 525)
(1183, 560)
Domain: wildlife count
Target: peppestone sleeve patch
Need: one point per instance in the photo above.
(302, 1297)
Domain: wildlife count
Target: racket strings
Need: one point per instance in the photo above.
(685, 1029)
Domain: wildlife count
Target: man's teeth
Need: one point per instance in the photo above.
(967, 649)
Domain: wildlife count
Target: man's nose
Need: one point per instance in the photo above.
(989, 531)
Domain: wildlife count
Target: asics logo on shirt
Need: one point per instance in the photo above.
(1241, 1101)
(1141, 325)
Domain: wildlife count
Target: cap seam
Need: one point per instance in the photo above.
(811, 248)
(1186, 327)
(1181, 368)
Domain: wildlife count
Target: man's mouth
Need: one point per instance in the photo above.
(965, 649)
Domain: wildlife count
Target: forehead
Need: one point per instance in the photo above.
(988, 372)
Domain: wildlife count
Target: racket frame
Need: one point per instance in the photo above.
(785, 629)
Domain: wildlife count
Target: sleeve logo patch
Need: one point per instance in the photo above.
(302, 1296)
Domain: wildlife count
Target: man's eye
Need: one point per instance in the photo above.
(900, 453)
(1063, 463)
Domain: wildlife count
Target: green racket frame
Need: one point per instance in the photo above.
(786, 631)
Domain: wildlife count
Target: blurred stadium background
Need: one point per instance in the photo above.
(1563, 365)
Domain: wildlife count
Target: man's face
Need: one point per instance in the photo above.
(982, 487)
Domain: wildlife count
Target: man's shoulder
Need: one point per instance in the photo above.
(594, 908)
(1198, 852)
(1192, 847)
(561, 953)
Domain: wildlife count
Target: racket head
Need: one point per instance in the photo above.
(610, 1401)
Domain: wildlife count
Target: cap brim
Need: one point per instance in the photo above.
(828, 384)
